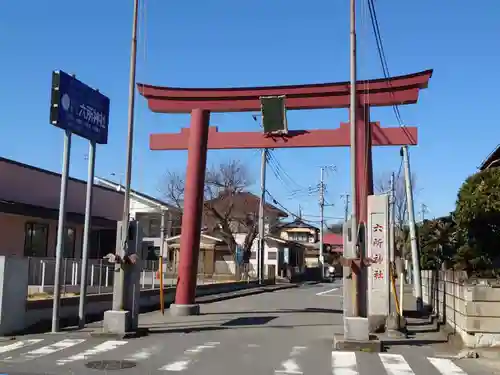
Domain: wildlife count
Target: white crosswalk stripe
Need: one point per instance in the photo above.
(18, 345)
(46, 350)
(446, 367)
(293, 361)
(395, 364)
(98, 349)
(344, 363)
(183, 362)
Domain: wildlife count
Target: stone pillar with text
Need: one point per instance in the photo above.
(378, 253)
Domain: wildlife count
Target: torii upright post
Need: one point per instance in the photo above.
(200, 137)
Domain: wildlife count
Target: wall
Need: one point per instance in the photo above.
(470, 307)
(30, 185)
(17, 313)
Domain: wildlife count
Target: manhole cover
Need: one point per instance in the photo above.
(110, 365)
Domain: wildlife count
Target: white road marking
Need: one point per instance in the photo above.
(189, 354)
(144, 353)
(446, 366)
(176, 366)
(18, 345)
(46, 350)
(344, 363)
(395, 364)
(327, 291)
(98, 349)
(290, 366)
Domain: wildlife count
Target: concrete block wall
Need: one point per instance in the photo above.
(470, 307)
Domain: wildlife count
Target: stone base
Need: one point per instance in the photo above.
(118, 324)
(356, 329)
(372, 345)
(184, 310)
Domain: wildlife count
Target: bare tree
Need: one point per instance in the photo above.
(228, 208)
(383, 185)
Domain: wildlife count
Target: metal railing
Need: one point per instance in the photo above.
(101, 274)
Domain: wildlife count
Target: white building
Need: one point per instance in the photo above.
(148, 211)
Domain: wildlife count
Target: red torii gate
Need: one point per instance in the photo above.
(200, 137)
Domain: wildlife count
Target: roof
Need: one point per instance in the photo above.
(493, 159)
(333, 239)
(297, 223)
(30, 210)
(211, 238)
(47, 172)
(148, 198)
(244, 202)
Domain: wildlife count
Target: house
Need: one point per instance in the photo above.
(148, 211)
(242, 210)
(334, 243)
(492, 161)
(29, 210)
(305, 234)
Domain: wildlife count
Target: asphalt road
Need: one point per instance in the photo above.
(285, 332)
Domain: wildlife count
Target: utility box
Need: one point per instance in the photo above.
(349, 247)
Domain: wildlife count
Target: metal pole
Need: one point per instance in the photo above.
(86, 236)
(352, 110)
(392, 214)
(392, 227)
(162, 255)
(346, 208)
(322, 210)
(417, 284)
(61, 227)
(119, 303)
(260, 260)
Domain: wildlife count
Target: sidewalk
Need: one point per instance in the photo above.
(422, 327)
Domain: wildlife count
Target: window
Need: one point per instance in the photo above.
(69, 242)
(154, 229)
(36, 238)
(300, 237)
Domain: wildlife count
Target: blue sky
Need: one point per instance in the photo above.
(197, 43)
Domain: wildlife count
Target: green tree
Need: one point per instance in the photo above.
(477, 215)
(438, 242)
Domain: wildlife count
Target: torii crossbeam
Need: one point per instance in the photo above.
(200, 137)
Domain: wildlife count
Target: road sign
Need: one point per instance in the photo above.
(79, 108)
(274, 114)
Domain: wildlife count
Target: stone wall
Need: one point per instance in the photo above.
(471, 308)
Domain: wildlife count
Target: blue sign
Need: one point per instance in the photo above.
(79, 108)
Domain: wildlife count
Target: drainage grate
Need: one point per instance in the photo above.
(110, 365)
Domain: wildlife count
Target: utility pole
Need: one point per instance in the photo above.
(417, 284)
(392, 212)
(162, 255)
(352, 128)
(322, 212)
(392, 227)
(423, 211)
(119, 303)
(261, 252)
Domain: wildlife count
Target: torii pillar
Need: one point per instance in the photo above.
(200, 136)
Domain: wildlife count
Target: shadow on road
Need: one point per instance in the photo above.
(278, 311)
(389, 343)
(187, 330)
